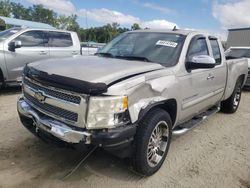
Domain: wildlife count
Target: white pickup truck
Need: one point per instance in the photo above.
(130, 98)
(20, 46)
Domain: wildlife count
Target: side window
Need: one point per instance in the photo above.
(60, 39)
(198, 46)
(31, 39)
(216, 51)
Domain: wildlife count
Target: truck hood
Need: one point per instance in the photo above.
(94, 69)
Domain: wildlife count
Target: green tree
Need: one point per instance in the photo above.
(38, 13)
(5, 8)
(135, 26)
(68, 23)
(43, 15)
(101, 34)
(20, 12)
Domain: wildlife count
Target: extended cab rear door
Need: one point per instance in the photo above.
(219, 72)
(63, 44)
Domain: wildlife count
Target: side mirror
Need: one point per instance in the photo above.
(14, 44)
(201, 62)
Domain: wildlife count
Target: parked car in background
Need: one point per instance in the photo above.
(237, 53)
(130, 98)
(20, 46)
(90, 48)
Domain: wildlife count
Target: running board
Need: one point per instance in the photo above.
(197, 120)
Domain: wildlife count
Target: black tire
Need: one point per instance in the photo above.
(155, 118)
(1, 85)
(1, 80)
(232, 103)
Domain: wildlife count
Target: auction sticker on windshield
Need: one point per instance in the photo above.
(166, 43)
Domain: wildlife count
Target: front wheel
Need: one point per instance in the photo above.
(152, 142)
(232, 103)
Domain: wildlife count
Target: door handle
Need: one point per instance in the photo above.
(74, 53)
(43, 53)
(210, 77)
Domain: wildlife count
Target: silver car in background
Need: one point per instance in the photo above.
(20, 46)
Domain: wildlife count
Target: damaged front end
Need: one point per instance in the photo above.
(74, 111)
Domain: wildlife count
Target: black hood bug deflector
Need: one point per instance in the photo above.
(65, 83)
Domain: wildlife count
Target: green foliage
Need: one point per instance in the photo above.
(43, 15)
(20, 12)
(38, 13)
(68, 23)
(5, 8)
(135, 26)
(101, 34)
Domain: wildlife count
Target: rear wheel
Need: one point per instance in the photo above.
(152, 142)
(232, 103)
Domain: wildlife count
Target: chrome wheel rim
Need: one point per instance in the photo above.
(157, 144)
(237, 98)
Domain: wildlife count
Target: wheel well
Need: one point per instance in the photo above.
(241, 78)
(169, 105)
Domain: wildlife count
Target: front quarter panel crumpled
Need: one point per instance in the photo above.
(146, 89)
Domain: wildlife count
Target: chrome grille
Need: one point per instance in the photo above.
(62, 113)
(56, 94)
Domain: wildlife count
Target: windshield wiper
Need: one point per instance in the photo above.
(139, 58)
(104, 54)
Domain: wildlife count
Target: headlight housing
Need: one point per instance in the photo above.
(107, 112)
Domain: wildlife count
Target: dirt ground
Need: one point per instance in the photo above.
(215, 154)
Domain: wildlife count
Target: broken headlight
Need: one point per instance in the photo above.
(107, 112)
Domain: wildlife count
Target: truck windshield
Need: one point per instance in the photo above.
(237, 53)
(7, 33)
(162, 48)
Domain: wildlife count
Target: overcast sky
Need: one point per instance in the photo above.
(210, 15)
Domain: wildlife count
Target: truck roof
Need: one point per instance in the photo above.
(44, 29)
(177, 31)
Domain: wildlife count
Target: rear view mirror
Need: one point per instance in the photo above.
(201, 62)
(14, 44)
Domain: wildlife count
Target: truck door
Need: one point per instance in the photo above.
(218, 74)
(33, 48)
(196, 90)
(61, 44)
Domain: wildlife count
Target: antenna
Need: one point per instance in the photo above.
(175, 28)
(87, 26)
(86, 19)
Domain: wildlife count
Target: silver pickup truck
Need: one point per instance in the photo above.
(19, 46)
(130, 98)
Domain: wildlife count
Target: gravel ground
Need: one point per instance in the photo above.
(215, 154)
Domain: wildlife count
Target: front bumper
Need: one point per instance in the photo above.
(57, 129)
(36, 122)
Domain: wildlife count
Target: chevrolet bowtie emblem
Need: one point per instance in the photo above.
(39, 96)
